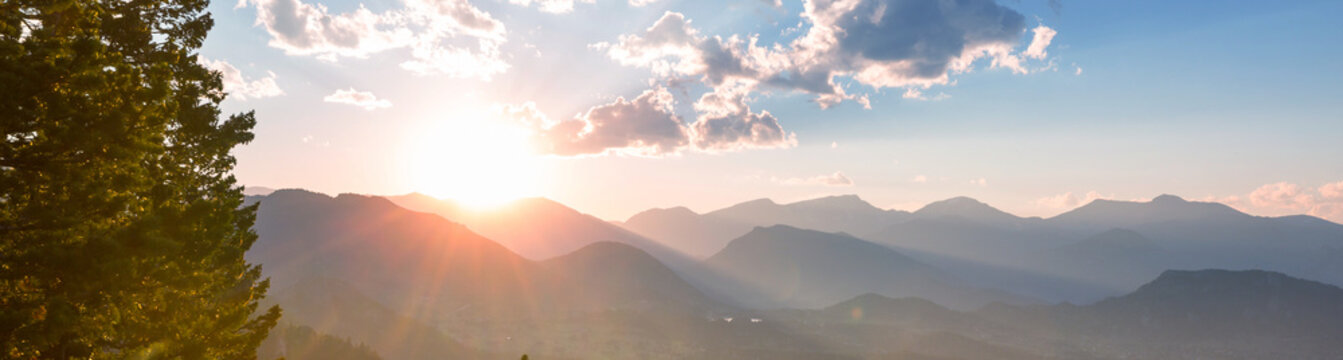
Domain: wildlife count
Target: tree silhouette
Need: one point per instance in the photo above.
(121, 231)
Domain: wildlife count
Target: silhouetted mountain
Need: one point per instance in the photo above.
(1205, 314)
(703, 235)
(968, 209)
(1210, 235)
(1214, 304)
(536, 228)
(420, 261)
(257, 191)
(416, 285)
(395, 255)
(544, 229)
(609, 275)
(696, 235)
(1102, 214)
(784, 266)
(845, 213)
(1039, 257)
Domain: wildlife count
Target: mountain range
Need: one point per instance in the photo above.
(413, 277)
(1038, 257)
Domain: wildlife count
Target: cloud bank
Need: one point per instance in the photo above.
(446, 37)
(838, 179)
(239, 87)
(649, 126)
(876, 44)
(354, 97)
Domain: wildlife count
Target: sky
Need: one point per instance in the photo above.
(617, 106)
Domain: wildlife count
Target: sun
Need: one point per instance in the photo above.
(476, 160)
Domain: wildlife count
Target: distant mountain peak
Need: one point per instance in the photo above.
(760, 201)
(968, 208)
(849, 201)
(297, 194)
(676, 212)
(1168, 198)
(956, 203)
(1120, 213)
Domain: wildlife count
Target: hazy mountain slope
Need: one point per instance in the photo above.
(974, 241)
(696, 235)
(844, 213)
(425, 266)
(1210, 235)
(399, 257)
(606, 275)
(967, 209)
(784, 266)
(1204, 314)
(1116, 259)
(701, 235)
(1102, 214)
(544, 229)
(1219, 303)
(536, 228)
(873, 326)
(333, 307)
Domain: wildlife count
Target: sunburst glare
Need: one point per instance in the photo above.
(475, 159)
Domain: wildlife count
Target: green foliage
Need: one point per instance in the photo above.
(121, 231)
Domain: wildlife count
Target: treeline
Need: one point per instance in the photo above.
(303, 343)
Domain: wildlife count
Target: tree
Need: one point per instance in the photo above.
(122, 232)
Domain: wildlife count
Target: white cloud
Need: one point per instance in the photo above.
(902, 43)
(1282, 195)
(648, 126)
(982, 182)
(447, 37)
(725, 122)
(1043, 36)
(238, 86)
(644, 126)
(641, 3)
(1068, 200)
(913, 93)
(836, 179)
(550, 6)
(1332, 191)
(919, 179)
(879, 43)
(1284, 198)
(1079, 70)
(361, 99)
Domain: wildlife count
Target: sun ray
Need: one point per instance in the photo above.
(476, 160)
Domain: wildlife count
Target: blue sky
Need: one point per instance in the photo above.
(1230, 101)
